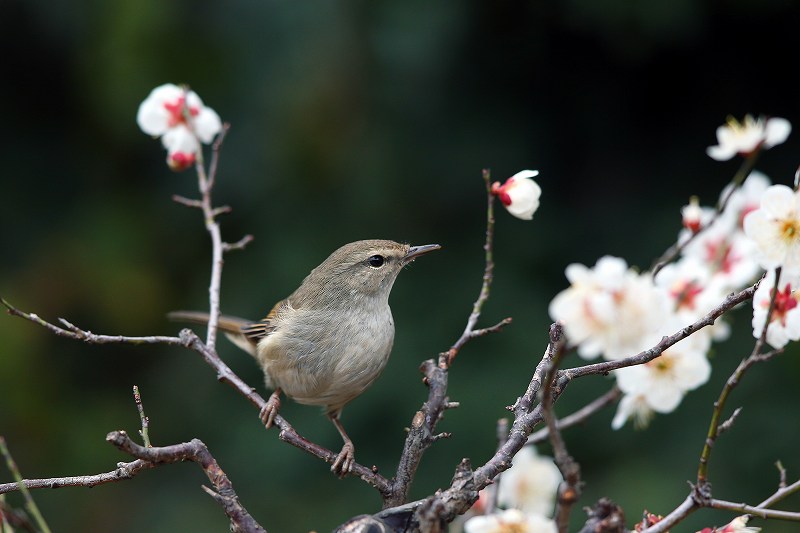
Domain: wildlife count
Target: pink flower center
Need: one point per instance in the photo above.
(176, 111)
(501, 191)
(720, 257)
(685, 294)
(784, 302)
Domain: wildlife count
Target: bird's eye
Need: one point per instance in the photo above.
(376, 261)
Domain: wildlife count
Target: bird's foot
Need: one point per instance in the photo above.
(270, 409)
(345, 460)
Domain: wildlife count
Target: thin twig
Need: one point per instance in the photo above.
(782, 492)
(569, 489)
(488, 274)
(731, 301)
(239, 245)
(196, 452)
(423, 425)
(676, 249)
(123, 471)
(144, 432)
(205, 184)
(733, 380)
(494, 489)
(73, 332)
(743, 508)
(30, 504)
(578, 416)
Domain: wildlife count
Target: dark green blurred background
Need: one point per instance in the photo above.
(355, 120)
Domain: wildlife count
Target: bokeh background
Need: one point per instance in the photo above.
(356, 120)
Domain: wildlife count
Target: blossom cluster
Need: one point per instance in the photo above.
(613, 311)
(178, 116)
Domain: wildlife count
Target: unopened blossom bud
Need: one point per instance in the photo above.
(179, 161)
(692, 214)
(519, 194)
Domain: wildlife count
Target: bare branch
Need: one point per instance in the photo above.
(423, 426)
(197, 452)
(239, 245)
(144, 432)
(743, 508)
(76, 333)
(123, 471)
(569, 490)
(30, 504)
(488, 273)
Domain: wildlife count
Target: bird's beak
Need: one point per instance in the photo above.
(416, 251)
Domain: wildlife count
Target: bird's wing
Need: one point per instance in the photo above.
(255, 331)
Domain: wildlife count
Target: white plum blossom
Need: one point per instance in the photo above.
(726, 252)
(775, 229)
(510, 521)
(608, 309)
(746, 137)
(634, 406)
(519, 194)
(784, 324)
(178, 116)
(531, 483)
(661, 384)
(746, 198)
(693, 292)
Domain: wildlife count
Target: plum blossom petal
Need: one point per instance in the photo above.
(632, 406)
(154, 117)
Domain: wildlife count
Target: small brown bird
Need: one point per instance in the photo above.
(331, 338)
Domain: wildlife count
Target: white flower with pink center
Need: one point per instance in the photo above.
(661, 384)
(608, 309)
(746, 137)
(178, 116)
(519, 194)
(726, 252)
(775, 229)
(693, 292)
(784, 322)
(530, 485)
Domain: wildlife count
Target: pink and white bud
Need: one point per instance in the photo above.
(519, 194)
(692, 215)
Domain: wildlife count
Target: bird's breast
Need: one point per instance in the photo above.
(329, 358)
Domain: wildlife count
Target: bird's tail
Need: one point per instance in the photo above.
(230, 325)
